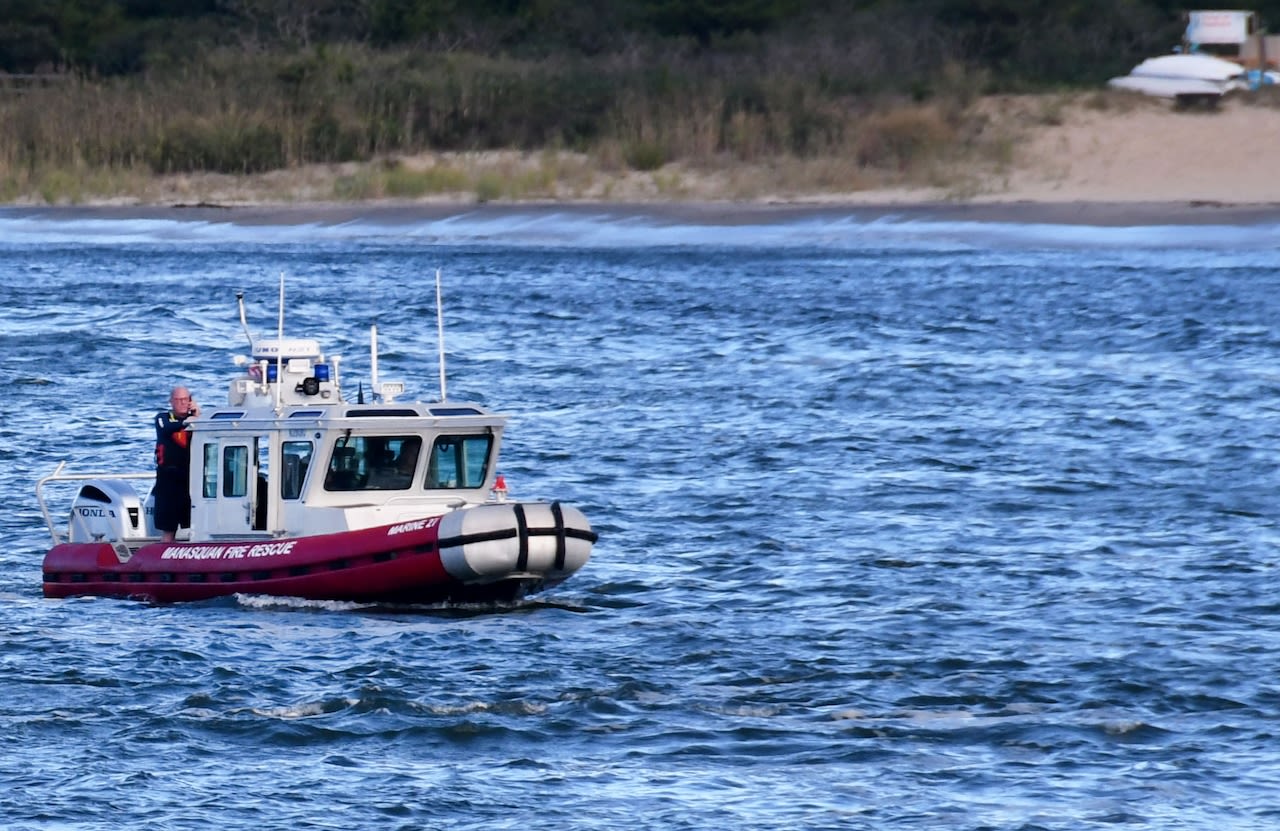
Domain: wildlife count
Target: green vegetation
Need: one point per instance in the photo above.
(103, 95)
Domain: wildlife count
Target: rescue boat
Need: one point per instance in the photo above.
(298, 493)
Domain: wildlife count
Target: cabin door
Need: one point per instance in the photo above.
(230, 493)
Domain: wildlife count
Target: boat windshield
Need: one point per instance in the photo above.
(362, 463)
(373, 463)
(459, 462)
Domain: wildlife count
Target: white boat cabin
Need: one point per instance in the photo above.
(288, 457)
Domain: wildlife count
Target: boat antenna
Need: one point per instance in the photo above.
(280, 347)
(373, 357)
(244, 324)
(440, 336)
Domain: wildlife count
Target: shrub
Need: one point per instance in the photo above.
(644, 155)
(489, 186)
(410, 184)
(355, 187)
(218, 148)
(902, 138)
(327, 140)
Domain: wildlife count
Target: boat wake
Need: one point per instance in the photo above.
(447, 609)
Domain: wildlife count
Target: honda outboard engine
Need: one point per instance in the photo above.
(107, 510)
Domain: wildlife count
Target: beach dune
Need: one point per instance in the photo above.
(1151, 152)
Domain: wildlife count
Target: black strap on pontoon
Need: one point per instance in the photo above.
(522, 531)
(559, 518)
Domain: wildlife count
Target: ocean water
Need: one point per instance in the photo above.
(904, 524)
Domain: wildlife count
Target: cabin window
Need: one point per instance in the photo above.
(209, 490)
(235, 470)
(295, 457)
(362, 463)
(459, 462)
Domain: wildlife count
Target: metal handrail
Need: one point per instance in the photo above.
(59, 476)
(451, 502)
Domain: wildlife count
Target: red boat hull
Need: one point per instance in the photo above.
(389, 564)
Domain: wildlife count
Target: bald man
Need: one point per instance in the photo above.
(173, 464)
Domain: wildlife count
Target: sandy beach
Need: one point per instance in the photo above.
(1135, 161)
(1147, 162)
(1152, 152)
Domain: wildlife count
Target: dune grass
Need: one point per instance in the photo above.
(351, 124)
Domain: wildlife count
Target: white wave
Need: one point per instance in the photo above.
(262, 601)
(622, 228)
(296, 711)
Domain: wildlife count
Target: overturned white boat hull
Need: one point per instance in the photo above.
(1167, 87)
(1185, 77)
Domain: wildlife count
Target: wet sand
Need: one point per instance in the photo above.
(1105, 214)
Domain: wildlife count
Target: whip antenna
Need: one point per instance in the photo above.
(440, 335)
(373, 359)
(280, 346)
(244, 324)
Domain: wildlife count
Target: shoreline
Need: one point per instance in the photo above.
(1022, 212)
(1069, 161)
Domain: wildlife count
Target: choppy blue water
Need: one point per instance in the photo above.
(904, 525)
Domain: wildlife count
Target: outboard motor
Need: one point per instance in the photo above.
(106, 510)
